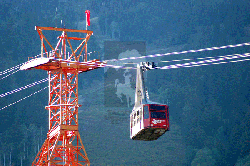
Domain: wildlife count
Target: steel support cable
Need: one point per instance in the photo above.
(182, 52)
(11, 69)
(201, 63)
(25, 87)
(228, 57)
(105, 86)
(24, 98)
(15, 68)
(9, 74)
(215, 60)
(209, 57)
(193, 64)
(147, 56)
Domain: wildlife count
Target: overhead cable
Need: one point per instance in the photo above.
(24, 87)
(199, 63)
(182, 52)
(9, 74)
(24, 98)
(10, 69)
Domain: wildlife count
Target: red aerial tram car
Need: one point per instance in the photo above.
(148, 120)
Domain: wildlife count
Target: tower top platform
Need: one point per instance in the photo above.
(58, 57)
(52, 63)
(38, 28)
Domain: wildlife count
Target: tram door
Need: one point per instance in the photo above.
(146, 112)
(146, 119)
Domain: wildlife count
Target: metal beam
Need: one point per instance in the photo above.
(63, 29)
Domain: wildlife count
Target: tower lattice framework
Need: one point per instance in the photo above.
(63, 145)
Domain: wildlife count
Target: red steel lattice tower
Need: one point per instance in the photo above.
(63, 145)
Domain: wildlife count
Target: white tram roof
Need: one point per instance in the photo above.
(150, 102)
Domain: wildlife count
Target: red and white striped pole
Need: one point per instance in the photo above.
(87, 12)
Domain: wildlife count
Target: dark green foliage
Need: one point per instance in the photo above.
(209, 106)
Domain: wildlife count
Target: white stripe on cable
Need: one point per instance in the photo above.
(199, 63)
(182, 52)
(25, 87)
(24, 98)
(9, 74)
(10, 69)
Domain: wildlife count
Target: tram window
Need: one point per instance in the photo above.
(131, 120)
(140, 115)
(136, 116)
(134, 119)
(145, 110)
(157, 107)
(158, 115)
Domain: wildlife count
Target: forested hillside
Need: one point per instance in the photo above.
(209, 105)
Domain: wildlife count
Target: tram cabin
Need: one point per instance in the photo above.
(149, 121)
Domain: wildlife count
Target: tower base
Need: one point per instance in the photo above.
(63, 147)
